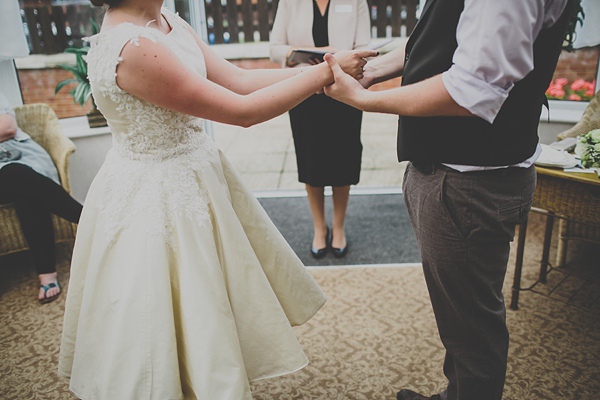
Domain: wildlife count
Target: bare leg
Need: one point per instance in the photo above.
(340, 203)
(316, 200)
(46, 279)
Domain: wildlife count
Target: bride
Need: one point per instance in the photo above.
(181, 287)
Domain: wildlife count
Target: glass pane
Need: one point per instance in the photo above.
(183, 8)
(50, 29)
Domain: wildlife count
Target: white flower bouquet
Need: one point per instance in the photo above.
(588, 149)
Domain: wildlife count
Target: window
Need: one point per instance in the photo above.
(574, 83)
(575, 80)
(575, 77)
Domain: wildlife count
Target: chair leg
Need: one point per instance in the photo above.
(546, 251)
(561, 253)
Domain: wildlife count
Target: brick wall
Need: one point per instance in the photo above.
(38, 84)
(580, 64)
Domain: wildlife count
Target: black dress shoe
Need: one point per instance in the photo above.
(339, 253)
(406, 394)
(320, 253)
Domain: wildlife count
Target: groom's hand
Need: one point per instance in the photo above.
(368, 78)
(353, 62)
(345, 88)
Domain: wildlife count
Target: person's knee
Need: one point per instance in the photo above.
(16, 172)
(14, 179)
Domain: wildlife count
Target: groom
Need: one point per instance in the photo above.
(474, 77)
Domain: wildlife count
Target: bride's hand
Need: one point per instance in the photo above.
(353, 62)
(344, 88)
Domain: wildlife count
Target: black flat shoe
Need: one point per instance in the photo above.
(320, 253)
(339, 253)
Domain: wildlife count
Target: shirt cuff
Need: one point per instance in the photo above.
(474, 94)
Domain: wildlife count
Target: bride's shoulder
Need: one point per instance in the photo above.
(108, 47)
(114, 38)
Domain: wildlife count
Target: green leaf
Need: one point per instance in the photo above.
(62, 84)
(77, 50)
(95, 27)
(87, 93)
(81, 64)
(79, 75)
(79, 95)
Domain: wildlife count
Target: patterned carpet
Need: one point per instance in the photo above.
(375, 335)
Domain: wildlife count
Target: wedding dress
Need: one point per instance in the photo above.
(181, 287)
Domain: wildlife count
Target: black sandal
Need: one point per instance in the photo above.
(47, 287)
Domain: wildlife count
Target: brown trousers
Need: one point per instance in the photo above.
(464, 223)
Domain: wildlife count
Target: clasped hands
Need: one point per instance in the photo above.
(349, 73)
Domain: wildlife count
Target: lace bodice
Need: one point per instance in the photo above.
(152, 167)
(142, 129)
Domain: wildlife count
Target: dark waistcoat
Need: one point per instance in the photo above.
(512, 137)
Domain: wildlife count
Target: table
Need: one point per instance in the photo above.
(560, 194)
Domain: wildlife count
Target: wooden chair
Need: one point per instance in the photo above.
(568, 230)
(41, 123)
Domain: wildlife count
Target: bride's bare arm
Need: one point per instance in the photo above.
(153, 73)
(243, 81)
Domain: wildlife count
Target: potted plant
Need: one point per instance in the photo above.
(82, 92)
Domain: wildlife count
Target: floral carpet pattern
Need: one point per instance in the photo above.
(375, 335)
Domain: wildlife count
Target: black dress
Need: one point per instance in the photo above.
(326, 132)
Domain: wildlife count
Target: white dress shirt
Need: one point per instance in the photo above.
(495, 50)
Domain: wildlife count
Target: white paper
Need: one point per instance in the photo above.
(581, 170)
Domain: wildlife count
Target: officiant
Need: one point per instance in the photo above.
(326, 132)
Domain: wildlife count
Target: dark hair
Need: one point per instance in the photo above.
(109, 3)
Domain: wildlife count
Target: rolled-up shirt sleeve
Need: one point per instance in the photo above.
(495, 50)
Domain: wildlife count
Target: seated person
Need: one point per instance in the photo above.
(29, 180)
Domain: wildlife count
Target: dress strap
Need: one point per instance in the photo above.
(106, 48)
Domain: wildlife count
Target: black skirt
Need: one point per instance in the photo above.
(327, 140)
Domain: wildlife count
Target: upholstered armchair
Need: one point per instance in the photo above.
(41, 123)
(589, 120)
(572, 230)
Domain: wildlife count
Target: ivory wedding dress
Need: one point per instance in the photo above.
(181, 287)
